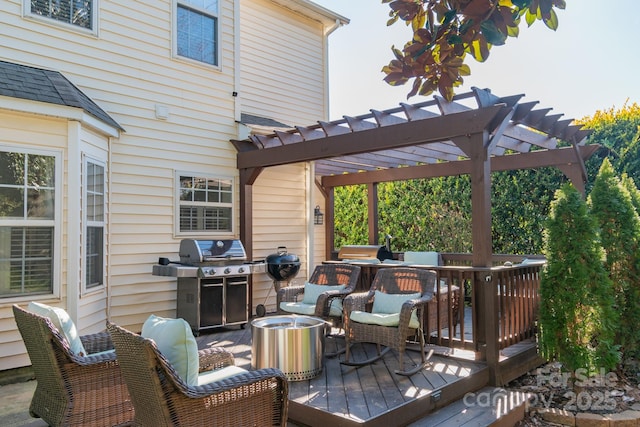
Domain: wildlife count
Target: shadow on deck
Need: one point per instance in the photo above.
(372, 395)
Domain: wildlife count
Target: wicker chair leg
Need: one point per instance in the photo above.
(425, 360)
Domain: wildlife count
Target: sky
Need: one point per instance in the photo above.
(590, 63)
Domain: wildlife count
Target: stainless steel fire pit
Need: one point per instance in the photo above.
(293, 344)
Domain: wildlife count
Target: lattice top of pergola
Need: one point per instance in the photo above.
(417, 134)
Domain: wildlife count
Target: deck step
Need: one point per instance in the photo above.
(488, 407)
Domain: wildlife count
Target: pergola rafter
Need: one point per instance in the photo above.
(476, 133)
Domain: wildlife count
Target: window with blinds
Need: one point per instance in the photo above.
(27, 223)
(94, 219)
(206, 204)
(197, 30)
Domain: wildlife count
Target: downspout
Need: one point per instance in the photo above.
(311, 237)
(109, 226)
(237, 105)
(327, 33)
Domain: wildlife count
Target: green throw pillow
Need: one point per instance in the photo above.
(63, 323)
(390, 303)
(176, 342)
(313, 291)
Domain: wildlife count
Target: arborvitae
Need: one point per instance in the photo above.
(576, 316)
(619, 227)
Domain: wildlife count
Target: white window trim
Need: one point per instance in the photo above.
(86, 223)
(57, 223)
(26, 13)
(177, 205)
(174, 34)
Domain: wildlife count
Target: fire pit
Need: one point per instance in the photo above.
(293, 344)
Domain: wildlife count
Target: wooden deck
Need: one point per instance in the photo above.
(371, 395)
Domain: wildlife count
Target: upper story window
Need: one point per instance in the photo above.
(205, 204)
(197, 30)
(29, 190)
(80, 13)
(94, 208)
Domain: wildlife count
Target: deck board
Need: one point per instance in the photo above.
(349, 396)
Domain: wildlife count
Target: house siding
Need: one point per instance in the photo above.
(129, 70)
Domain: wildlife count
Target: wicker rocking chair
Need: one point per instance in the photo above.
(323, 294)
(389, 313)
(72, 389)
(162, 398)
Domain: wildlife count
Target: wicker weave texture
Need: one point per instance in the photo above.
(73, 390)
(161, 398)
(325, 274)
(390, 281)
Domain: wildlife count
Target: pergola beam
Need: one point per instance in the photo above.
(417, 132)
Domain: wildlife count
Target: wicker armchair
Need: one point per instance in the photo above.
(323, 275)
(162, 398)
(73, 390)
(327, 304)
(366, 320)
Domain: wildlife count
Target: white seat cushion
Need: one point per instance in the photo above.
(176, 342)
(63, 323)
(310, 309)
(382, 319)
(219, 374)
(298, 308)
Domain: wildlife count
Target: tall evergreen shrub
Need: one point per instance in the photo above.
(576, 316)
(619, 226)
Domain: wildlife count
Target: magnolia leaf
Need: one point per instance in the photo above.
(396, 79)
(529, 18)
(513, 31)
(492, 33)
(552, 22)
(419, 20)
(392, 20)
(464, 70)
(416, 86)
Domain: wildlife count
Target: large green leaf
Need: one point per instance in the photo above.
(492, 34)
(552, 22)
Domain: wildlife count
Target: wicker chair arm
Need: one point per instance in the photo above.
(408, 307)
(97, 342)
(289, 294)
(215, 358)
(323, 303)
(357, 301)
(244, 381)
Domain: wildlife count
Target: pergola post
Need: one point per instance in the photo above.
(476, 147)
(372, 209)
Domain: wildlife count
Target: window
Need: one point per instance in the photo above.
(28, 193)
(197, 30)
(80, 13)
(94, 202)
(205, 204)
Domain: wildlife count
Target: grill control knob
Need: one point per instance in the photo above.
(227, 270)
(241, 270)
(212, 272)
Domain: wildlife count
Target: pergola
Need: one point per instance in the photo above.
(476, 133)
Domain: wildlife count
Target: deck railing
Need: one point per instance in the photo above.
(500, 302)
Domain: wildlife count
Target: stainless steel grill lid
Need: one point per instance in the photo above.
(197, 252)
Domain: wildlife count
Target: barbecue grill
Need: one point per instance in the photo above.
(281, 267)
(213, 282)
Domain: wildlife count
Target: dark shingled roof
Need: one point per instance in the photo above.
(36, 84)
(249, 119)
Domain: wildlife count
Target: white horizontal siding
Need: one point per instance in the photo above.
(282, 69)
(128, 69)
(279, 219)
